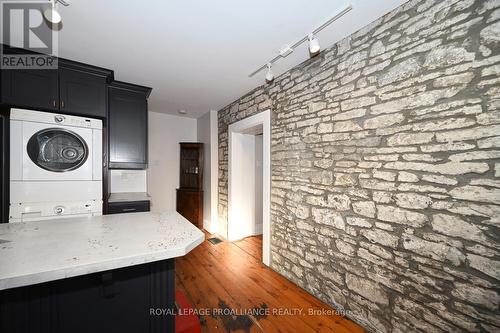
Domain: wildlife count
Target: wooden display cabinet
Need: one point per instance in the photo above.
(190, 191)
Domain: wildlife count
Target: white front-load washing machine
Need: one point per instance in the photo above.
(55, 165)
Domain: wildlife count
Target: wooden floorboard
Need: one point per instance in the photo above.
(231, 276)
(251, 245)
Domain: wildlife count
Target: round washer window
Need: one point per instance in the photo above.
(57, 150)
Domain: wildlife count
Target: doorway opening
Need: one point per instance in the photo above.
(249, 181)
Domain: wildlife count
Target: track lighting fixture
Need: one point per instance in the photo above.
(313, 42)
(51, 14)
(270, 74)
(314, 47)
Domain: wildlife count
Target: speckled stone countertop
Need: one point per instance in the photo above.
(37, 252)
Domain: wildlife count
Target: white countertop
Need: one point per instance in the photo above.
(128, 196)
(36, 252)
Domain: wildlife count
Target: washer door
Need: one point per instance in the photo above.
(57, 150)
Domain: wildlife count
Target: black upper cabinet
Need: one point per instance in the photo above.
(128, 126)
(73, 88)
(34, 89)
(82, 93)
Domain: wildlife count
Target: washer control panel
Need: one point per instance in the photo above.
(72, 121)
(44, 211)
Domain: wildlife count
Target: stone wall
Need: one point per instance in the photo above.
(386, 169)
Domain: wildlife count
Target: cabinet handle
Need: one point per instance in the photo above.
(62, 104)
(129, 209)
(54, 103)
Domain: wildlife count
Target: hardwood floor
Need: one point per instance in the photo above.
(252, 246)
(235, 292)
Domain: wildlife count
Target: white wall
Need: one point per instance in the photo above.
(248, 176)
(208, 135)
(258, 183)
(165, 133)
(243, 200)
(204, 137)
(128, 181)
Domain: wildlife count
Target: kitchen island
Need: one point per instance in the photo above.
(92, 274)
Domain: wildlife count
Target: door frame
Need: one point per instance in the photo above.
(263, 118)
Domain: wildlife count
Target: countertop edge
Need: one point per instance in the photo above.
(91, 268)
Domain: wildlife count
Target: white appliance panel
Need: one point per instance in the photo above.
(16, 155)
(97, 155)
(55, 191)
(46, 211)
(55, 119)
(36, 219)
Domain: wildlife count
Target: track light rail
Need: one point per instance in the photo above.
(339, 14)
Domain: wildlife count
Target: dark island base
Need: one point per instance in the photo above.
(119, 300)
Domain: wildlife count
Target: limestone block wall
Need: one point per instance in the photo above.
(386, 169)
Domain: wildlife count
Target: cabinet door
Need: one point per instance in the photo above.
(128, 207)
(128, 129)
(191, 168)
(82, 93)
(33, 89)
(116, 300)
(190, 205)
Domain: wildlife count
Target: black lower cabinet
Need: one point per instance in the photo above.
(139, 298)
(128, 207)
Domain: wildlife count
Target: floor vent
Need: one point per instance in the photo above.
(214, 240)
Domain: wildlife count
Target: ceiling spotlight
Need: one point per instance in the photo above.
(51, 14)
(314, 47)
(269, 74)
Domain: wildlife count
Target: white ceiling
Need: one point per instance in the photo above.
(197, 54)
